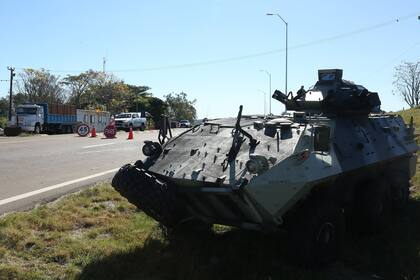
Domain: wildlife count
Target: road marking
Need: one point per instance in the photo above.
(53, 187)
(26, 140)
(109, 150)
(99, 145)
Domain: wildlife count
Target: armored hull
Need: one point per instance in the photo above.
(273, 173)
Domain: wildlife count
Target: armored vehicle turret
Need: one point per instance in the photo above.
(335, 159)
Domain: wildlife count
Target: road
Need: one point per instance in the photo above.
(39, 168)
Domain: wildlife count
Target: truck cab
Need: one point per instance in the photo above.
(29, 117)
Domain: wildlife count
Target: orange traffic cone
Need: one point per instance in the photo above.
(93, 133)
(130, 134)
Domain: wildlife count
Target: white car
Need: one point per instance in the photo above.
(1, 131)
(184, 123)
(134, 120)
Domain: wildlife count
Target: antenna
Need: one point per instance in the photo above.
(103, 64)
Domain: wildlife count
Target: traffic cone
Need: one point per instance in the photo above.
(93, 133)
(130, 134)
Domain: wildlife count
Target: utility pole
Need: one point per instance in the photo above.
(12, 74)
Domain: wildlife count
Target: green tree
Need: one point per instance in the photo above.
(110, 95)
(157, 108)
(4, 106)
(77, 85)
(179, 107)
(40, 86)
(4, 109)
(138, 99)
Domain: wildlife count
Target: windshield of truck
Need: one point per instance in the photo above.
(123, 116)
(25, 111)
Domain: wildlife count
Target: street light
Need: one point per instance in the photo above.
(269, 89)
(269, 14)
(265, 103)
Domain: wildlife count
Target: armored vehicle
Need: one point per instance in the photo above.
(333, 160)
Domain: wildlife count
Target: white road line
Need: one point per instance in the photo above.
(27, 140)
(99, 145)
(109, 150)
(53, 187)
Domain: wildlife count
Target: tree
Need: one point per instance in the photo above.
(180, 108)
(138, 99)
(110, 95)
(40, 86)
(157, 108)
(79, 85)
(407, 82)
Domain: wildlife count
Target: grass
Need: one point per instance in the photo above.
(97, 234)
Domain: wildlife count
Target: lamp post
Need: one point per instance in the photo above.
(287, 25)
(269, 89)
(265, 103)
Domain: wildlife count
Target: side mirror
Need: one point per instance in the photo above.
(322, 138)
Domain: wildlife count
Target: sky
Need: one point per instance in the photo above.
(214, 50)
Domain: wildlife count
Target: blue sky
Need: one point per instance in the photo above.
(216, 47)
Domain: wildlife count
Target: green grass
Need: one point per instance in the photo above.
(96, 234)
(407, 114)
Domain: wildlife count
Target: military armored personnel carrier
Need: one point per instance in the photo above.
(333, 160)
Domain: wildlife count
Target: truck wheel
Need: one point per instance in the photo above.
(316, 234)
(371, 206)
(142, 127)
(37, 129)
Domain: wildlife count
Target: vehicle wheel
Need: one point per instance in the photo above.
(316, 234)
(142, 127)
(37, 129)
(399, 192)
(128, 129)
(371, 206)
(149, 194)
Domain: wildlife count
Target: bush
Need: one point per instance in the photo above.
(3, 122)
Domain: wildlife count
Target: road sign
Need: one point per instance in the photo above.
(83, 130)
(110, 131)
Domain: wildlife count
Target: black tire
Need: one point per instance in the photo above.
(316, 234)
(37, 129)
(371, 206)
(399, 189)
(142, 127)
(149, 194)
(128, 128)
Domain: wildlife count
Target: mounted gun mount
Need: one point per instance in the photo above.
(332, 94)
(306, 172)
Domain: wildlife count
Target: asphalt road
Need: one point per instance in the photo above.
(39, 168)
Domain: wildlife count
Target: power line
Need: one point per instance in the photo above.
(394, 59)
(253, 55)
